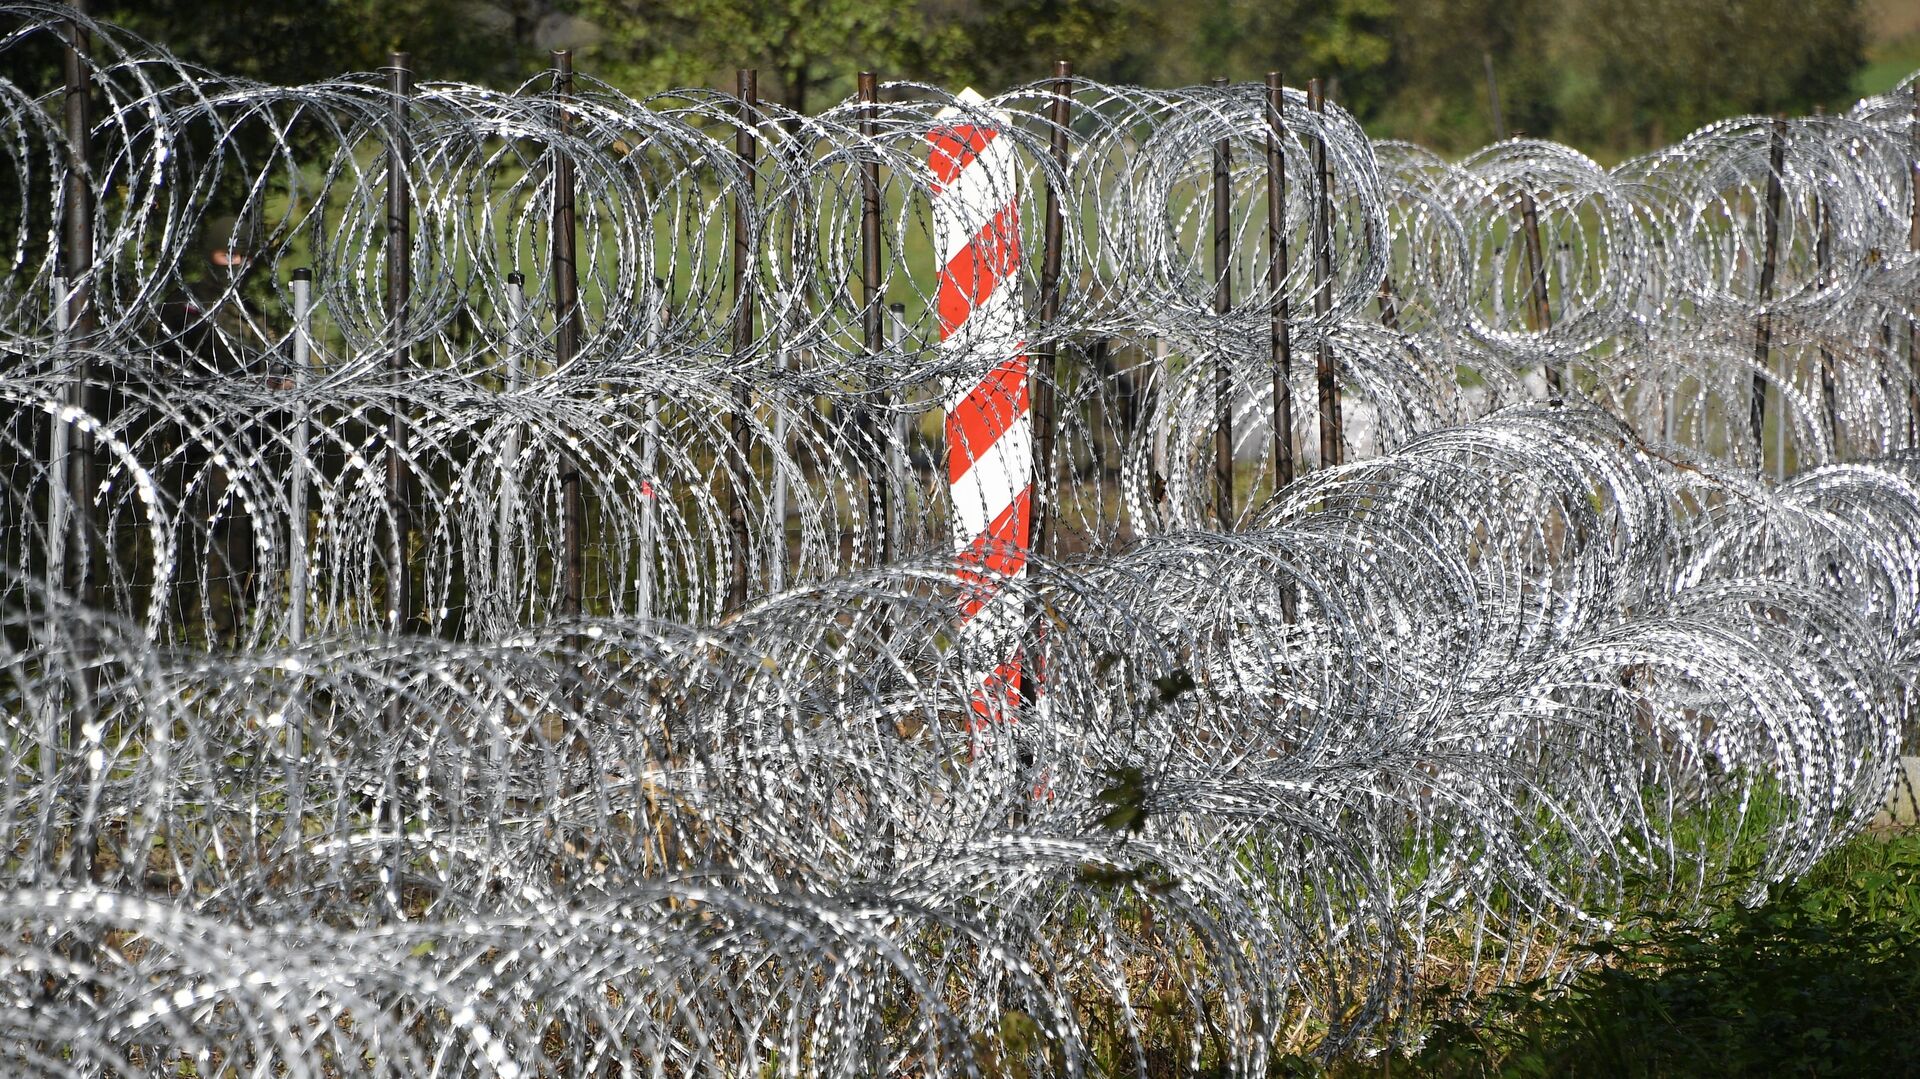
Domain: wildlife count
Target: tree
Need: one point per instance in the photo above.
(806, 46)
(1656, 69)
(1001, 43)
(305, 42)
(1436, 89)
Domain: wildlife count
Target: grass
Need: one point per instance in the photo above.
(1887, 63)
(1821, 979)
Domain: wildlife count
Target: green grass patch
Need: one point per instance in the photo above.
(1887, 63)
(1821, 979)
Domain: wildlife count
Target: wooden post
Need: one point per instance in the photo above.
(1280, 334)
(566, 340)
(1332, 440)
(1223, 306)
(746, 147)
(1770, 258)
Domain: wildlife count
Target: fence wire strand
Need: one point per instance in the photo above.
(1612, 605)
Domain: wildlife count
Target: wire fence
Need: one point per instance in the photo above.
(491, 586)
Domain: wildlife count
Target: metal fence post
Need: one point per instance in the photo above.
(302, 434)
(566, 340)
(400, 600)
(1332, 435)
(1770, 260)
(1223, 306)
(746, 148)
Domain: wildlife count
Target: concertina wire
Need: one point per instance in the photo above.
(1560, 635)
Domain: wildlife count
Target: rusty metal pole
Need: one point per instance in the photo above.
(873, 314)
(1823, 264)
(297, 568)
(1913, 244)
(1223, 306)
(400, 357)
(745, 147)
(82, 538)
(399, 488)
(1389, 305)
(1539, 310)
(566, 339)
(78, 580)
(1332, 440)
(514, 302)
(1770, 260)
(1041, 378)
(651, 488)
(1280, 334)
(1041, 372)
(897, 480)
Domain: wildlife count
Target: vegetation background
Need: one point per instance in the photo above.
(1610, 76)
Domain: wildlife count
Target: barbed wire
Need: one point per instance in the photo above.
(1606, 600)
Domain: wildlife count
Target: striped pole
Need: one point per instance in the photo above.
(989, 425)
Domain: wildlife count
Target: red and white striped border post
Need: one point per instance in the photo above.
(976, 243)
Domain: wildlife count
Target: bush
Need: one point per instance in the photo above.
(1822, 979)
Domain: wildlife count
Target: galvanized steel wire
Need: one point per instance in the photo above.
(1530, 659)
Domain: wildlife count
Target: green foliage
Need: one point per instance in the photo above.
(1661, 67)
(1822, 979)
(304, 42)
(997, 43)
(1612, 76)
(1347, 41)
(1126, 793)
(806, 51)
